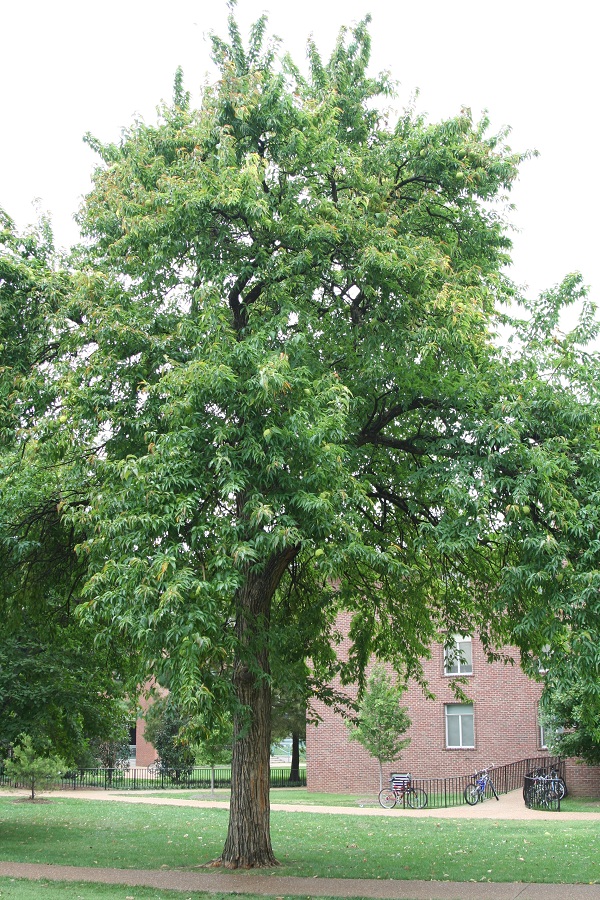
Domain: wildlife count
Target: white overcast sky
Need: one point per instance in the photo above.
(70, 67)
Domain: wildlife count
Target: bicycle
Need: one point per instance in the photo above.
(538, 793)
(475, 791)
(402, 789)
(555, 785)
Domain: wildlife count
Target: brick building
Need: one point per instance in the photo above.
(499, 724)
(142, 752)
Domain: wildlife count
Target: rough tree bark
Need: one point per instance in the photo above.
(248, 843)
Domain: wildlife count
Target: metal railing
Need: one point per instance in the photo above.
(538, 793)
(545, 786)
(445, 792)
(136, 779)
(441, 792)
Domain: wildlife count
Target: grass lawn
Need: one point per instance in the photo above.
(306, 798)
(88, 833)
(20, 889)
(301, 796)
(278, 796)
(579, 804)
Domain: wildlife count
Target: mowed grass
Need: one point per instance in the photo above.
(278, 796)
(122, 835)
(306, 798)
(300, 796)
(20, 889)
(580, 804)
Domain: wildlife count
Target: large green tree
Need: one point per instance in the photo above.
(57, 688)
(55, 685)
(285, 397)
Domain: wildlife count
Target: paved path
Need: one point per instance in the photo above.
(510, 806)
(277, 886)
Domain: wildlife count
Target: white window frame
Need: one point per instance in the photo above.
(454, 657)
(133, 746)
(542, 733)
(459, 716)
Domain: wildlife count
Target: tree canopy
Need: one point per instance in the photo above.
(570, 716)
(284, 395)
(55, 685)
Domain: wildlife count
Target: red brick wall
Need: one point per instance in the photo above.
(505, 705)
(582, 780)
(145, 754)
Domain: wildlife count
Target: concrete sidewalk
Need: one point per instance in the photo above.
(277, 886)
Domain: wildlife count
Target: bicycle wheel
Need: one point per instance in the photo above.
(560, 787)
(416, 798)
(387, 798)
(548, 798)
(471, 794)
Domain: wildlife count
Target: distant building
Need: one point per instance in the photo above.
(499, 724)
(141, 752)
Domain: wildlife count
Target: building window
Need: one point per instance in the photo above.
(541, 667)
(132, 744)
(458, 656)
(460, 731)
(545, 732)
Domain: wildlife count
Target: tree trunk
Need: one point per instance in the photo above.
(295, 765)
(248, 843)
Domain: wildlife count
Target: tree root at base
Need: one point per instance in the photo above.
(233, 865)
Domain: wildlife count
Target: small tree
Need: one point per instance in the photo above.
(288, 720)
(381, 721)
(31, 768)
(214, 745)
(165, 724)
(112, 753)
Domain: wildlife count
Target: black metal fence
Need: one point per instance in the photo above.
(443, 792)
(201, 777)
(544, 787)
(538, 793)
